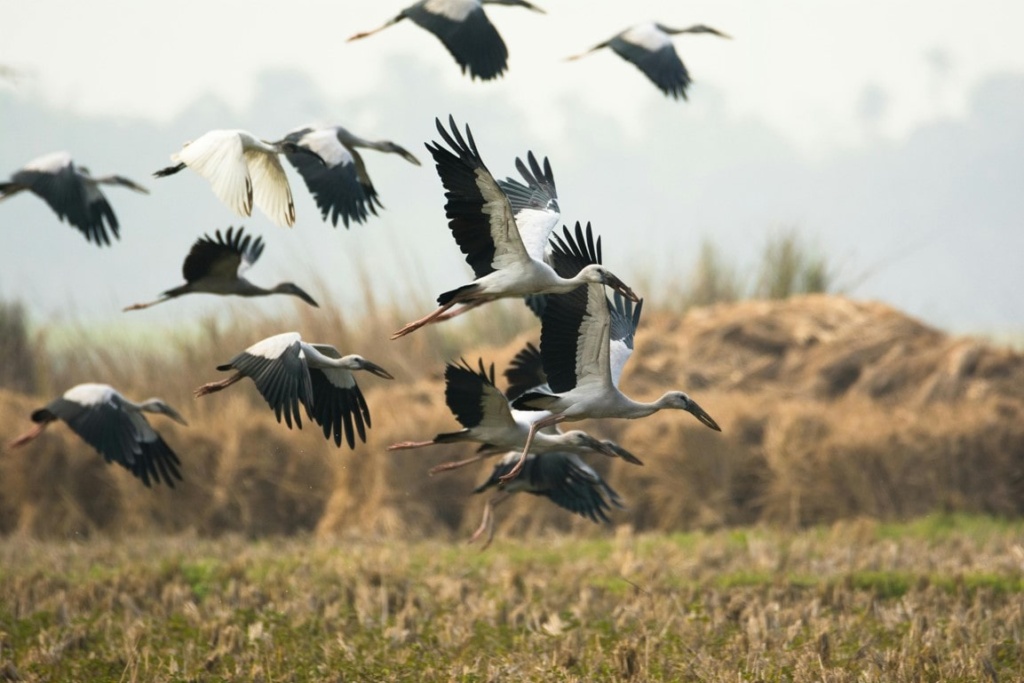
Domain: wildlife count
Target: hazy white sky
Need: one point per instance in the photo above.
(889, 131)
(803, 66)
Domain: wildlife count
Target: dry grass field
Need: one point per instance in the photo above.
(941, 599)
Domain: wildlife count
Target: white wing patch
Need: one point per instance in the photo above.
(592, 351)
(271, 191)
(339, 377)
(217, 156)
(90, 394)
(273, 347)
(647, 36)
(49, 163)
(508, 245)
(535, 226)
(325, 142)
(618, 354)
(456, 10)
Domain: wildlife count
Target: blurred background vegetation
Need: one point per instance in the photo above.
(830, 409)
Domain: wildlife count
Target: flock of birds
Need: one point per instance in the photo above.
(505, 228)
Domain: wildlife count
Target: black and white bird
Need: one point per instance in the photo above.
(561, 477)
(215, 266)
(289, 373)
(341, 184)
(483, 222)
(464, 29)
(242, 169)
(486, 417)
(72, 193)
(649, 47)
(116, 428)
(585, 342)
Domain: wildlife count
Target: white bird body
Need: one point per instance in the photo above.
(115, 427)
(456, 10)
(72, 193)
(242, 170)
(648, 46)
(464, 29)
(585, 343)
(485, 226)
(289, 372)
(486, 417)
(646, 35)
(340, 184)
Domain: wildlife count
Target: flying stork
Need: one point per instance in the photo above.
(289, 372)
(72, 193)
(216, 267)
(464, 29)
(649, 47)
(562, 477)
(115, 427)
(340, 185)
(484, 413)
(483, 223)
(242, 170)
(585, 342)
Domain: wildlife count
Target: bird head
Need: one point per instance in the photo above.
(680, 401)
(579, 440)
(295, 290)
(356, 362)
(598, 274)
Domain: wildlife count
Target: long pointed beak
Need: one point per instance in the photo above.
(623, 453)
(621, 287)
(130, 184)
(174, 415)
(702, 416)
(607, 448)
(407, 155)
(377, 370)
(306, 297)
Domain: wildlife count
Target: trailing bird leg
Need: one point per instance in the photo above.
(211, 387)
(456, 464)
(425, 320)
(138, 307)
(459, 311)
(29, 435)
(170, 170)
(364, 34)
(540, 424)
(487, 523)
(404, 445)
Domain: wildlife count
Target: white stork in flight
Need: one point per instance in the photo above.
(585, 342)
(242, 169)
(340, 185)
(464, 29)
(72, 193)
(504, 247)
(486, 417)
(215, 266)
(649, 47)
(561, 477)
(289, 372)
(115, 427)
